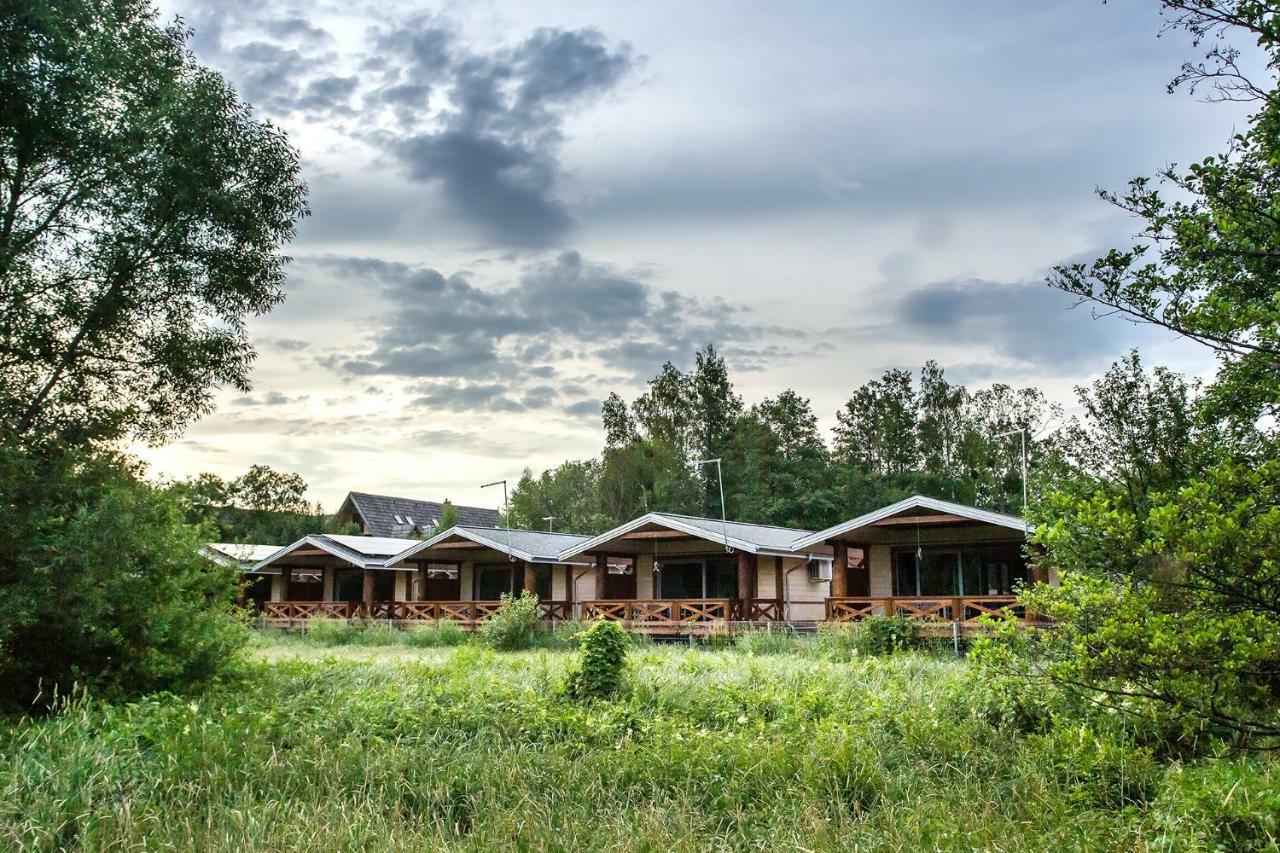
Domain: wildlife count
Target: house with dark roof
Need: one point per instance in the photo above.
(386, 516)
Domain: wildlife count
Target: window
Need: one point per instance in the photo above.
(711, 578)
(970, 570)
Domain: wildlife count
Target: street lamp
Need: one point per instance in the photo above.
(724, 522)
(506, 514)
(548, 519)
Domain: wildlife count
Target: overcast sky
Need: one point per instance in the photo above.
(519, 207)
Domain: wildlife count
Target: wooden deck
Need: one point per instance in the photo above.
(933, 614)
(466, 613)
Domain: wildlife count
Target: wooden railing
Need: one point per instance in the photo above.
(966, 610)
(404, 611)
(663, 613)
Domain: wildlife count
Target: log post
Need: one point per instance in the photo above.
(780, 587)
(368, 593)
(746, 582)
(530, 579)
(286, 580)
(421, 593)
(840, 570)
(602, 571)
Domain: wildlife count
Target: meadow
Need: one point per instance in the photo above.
(321, 744)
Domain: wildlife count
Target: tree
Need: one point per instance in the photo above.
(448, 518)
(102, 584)
(619, 426)
(262, 507)
(1166, 533)
(1208, 261)
(716, 411)
(142, 210)
(876, 430)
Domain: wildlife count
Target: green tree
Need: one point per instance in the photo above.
(142, 211)
(102, 583)
(1166, 534)
(876, 430)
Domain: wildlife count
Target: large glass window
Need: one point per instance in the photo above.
(493, 580)
(716, 577)
(959, 570)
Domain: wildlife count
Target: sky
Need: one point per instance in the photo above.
(518, 207)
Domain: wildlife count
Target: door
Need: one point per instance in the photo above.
(439, 586)
(620, 586)
(681, 579)
(940, 573)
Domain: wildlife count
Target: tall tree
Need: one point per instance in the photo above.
(142, 212)
(716, 411)
(876, 430)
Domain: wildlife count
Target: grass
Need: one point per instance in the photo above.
(366, 747)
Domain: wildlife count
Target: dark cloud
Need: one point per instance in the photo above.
(493, 140)
(583, 409)
(271, 398)
(565, 309)
(288, 344)
(454, 397)
(1027, 322)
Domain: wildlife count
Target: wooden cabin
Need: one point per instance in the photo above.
(666, 573)
(927, 560)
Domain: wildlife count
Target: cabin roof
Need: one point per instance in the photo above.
(533, 546)
(366, 552)
(915, 502)
(389, 516)
(741, 536)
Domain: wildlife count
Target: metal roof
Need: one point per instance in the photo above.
(380, 514)
(915, 502)
(366, 552)
(753, 538)
(243, 557)
(533, 546)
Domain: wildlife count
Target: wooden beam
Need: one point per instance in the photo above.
(943, 518)
(368, 593)
(746, 581)
(530, 578)
(839, 570)
(451, 546)
(602, 570)
(308, 552)
(780, 587)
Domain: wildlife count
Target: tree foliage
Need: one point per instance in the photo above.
(102, 584)
(142, 209)
(263, 506)
(1165, 521)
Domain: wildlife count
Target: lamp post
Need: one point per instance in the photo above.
(724, 521)
(548, 519)
(506, 520)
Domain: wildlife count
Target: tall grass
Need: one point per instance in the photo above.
(331, 748)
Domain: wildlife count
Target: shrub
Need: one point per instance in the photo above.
(1219, 806)
(760, 642)
(883, 635)
(332, 632)
(102, 584)
(513, 625)
(440, 634)
(1099, 769)
(598, 673)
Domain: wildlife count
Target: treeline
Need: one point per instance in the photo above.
(896, 436)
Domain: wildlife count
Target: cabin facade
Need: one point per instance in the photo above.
(666, 573)
(928, 560)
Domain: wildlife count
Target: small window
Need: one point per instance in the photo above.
(399, 519)
(408, 519)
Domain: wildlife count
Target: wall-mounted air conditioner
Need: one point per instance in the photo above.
(819, 570)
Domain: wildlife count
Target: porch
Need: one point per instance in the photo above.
(467, 614)
(932, 615)
(682, 615)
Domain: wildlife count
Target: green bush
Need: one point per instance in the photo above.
(101, 583)
(332, 632)
(514, 623)
(598, 673)
(884, 635)
(440, 634)
(1220, 806)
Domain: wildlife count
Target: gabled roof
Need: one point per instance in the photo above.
(380, 514)
(914, 502)
(752, 538)
(365, 552)
(532, 546)
(242, 556)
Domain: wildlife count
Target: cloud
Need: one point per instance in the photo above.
(1027, 322)
(558, 311)
(271, 398)
(456, 397)
(492, 145)
(583, 409)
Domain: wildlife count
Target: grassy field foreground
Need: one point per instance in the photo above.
(403, 748)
